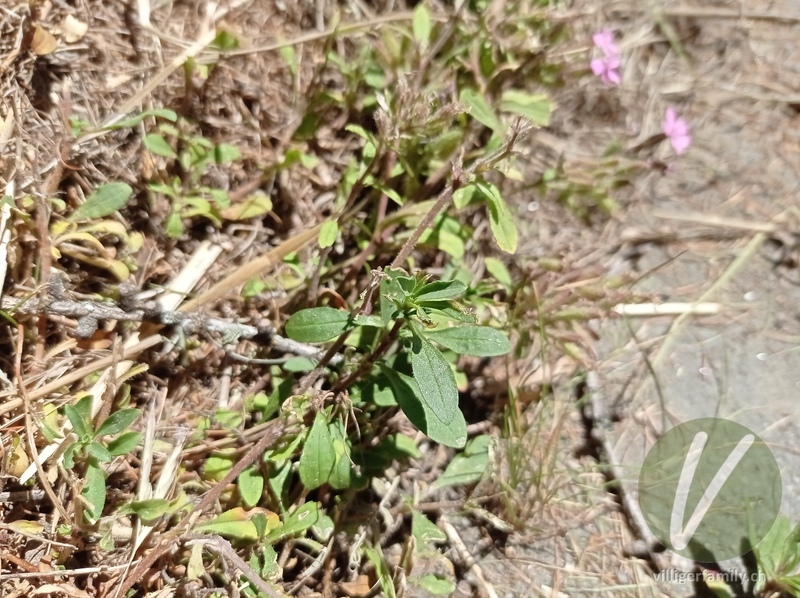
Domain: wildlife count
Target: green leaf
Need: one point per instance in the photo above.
(463, 195)
(479, 109)
(463, 470)
(235, 523)
(69, 455)
(147, 510)
(219, 464)
(326, 455)
(317, 324)
(251, 486)
(135, 120)
(382, 571)
(535, 107)
(340, 446)
(94, 491)
(499, 271)
(253, 206)
(501, 220)
(118, 421)
(318, 458)
(225, 41)
(156, 144)
(450, 310)
(441, 289)
(392, 295)
(409, 397)
(106, 200)
(225, 153)
(435, 378)
(99, 451)
(328, 234)
(297, 522)
(425, 531)
(421, 25)
(481, 341)
(79, 416)
(438, 586)
(299, 364)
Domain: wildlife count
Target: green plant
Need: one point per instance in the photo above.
(778, 558)
(402, 349)
(96, 445)
(194, 155)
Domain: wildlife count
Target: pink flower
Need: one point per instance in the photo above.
(606, 69)
(604, 40)
(677, 131)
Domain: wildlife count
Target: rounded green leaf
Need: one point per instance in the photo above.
(328, 234)
(481, 341)
(317, 324)
(251, 486)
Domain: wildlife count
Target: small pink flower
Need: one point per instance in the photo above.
(606, 69)
(677, 131)
(604, 40)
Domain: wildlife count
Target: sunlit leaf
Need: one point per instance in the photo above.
(435, 379)
(106, 200)
(481, 341)
(317, 324)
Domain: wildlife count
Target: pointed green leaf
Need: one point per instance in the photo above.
(498, 269)
(156, 144)
(106, 200)
(118, 421)
(99, 451)
(463, 470)
(481, 341)
(501, 220)
(147, 510)
(135, 120)
(409, 397)
(318, 457)
(424, 530)
(421, 25)
(479, 109)
(536, 107)
(297, 522)
(317, 324)
(79, 424)
(435, 379)
(441, 289)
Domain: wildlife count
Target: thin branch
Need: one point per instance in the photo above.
(89, 313)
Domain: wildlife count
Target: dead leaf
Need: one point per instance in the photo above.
(72, 29)
(42, 41)
(59, 589)
(359, 587)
